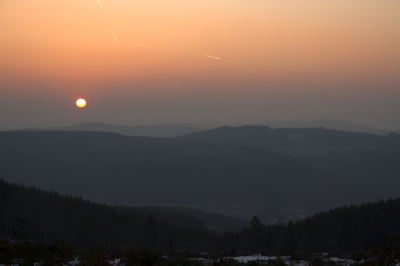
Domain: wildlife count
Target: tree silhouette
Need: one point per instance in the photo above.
(151, 239)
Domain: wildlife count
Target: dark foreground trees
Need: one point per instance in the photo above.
(387, 253)
(345, 229)
(24, 252)
(47, 216)
(38, 215)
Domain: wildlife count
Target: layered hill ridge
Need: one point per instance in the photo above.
(107, 167)
(224, 165)
(291, 141)
(179, 129)
(328, 124)
(150, 131)
(163, 130)
(266, 137)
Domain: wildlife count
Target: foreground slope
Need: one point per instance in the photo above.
(28, 212)
(34, 214)
(352, 228)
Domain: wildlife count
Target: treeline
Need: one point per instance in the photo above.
(348, 229)
(213, 221)
(32, 213)
(28, 212)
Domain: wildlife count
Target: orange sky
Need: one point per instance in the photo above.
(281, 60)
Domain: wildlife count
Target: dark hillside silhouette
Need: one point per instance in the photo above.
(262, 136)
(380, 167)
(33, 214)
(163, 130)
(240, 167)
(79, 222)
(110, 168)
(212, 221)
(349, 228)
(150, 131)
(329, 124)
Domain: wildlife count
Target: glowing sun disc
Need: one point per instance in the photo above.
(81, 103)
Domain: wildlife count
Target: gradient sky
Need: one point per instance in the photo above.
(281, 60)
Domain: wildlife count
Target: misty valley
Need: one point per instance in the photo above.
(291, 195)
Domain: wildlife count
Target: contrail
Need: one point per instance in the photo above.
(114, 36)
(100, 4)
(210, 56)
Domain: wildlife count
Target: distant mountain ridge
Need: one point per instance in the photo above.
(150, 131)
(164, 130)
(329, 124)
(178, 129)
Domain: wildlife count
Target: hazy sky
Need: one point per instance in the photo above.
(143, 62)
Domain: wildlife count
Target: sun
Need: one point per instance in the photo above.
(81, 103)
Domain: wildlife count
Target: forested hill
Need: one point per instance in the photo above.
(349, 228)
(115, 169)
(213, 221)
(32, 213)
(263, 136)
